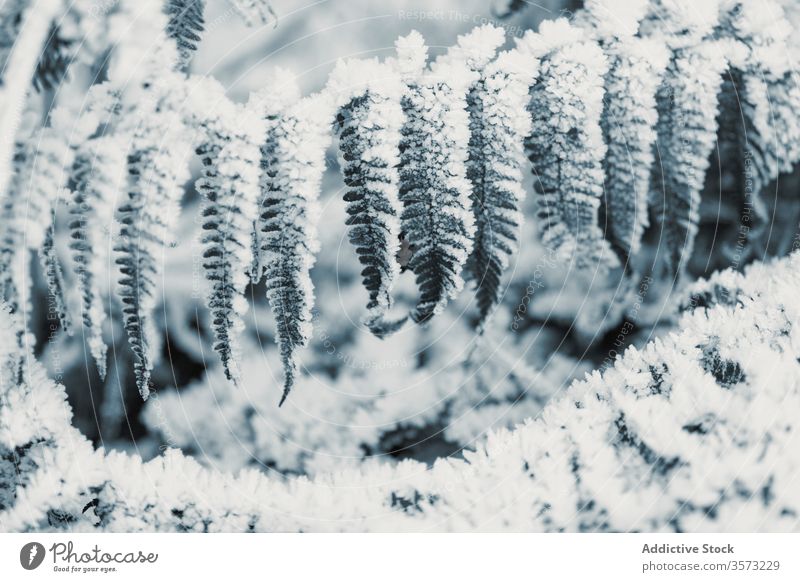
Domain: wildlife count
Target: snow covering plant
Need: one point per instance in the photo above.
(687, 126)
(635, 70)
(694, 432)
(765, 95)
(360, 416)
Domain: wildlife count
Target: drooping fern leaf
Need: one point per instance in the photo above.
(43, 162)
(629, 120)
(635, 69)
(184, 26)
(157, 170)
(14, 276)
(98, 175)
(288, 214)
(230, 182)
(566, 143)
(687, 132)
(270, 103)
(759, 134)
(437, 215)
(369, 123)
(498, 125)
(54, 277)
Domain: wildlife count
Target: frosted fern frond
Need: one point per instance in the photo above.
(635, 70)
(157, 168)
(18, 70)
(629, 120)
(270, 103)
(566, 143)
(687, 132)
(759, 132)
(498, 125)
(231, 158)
(771, 106)
(43, 162)
(185, 25)
(99, 178)
(14, 275)
(369, 121)
(288, 222)
(54, 276)
(150, 120)
(437, 217)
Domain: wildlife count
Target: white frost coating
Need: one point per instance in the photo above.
(767, 96)
(552, 35)
(704, 418)
(279, 92)
(615, 18)
(476, 48)
(270, 103)
(763, 27)
(412, 55)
